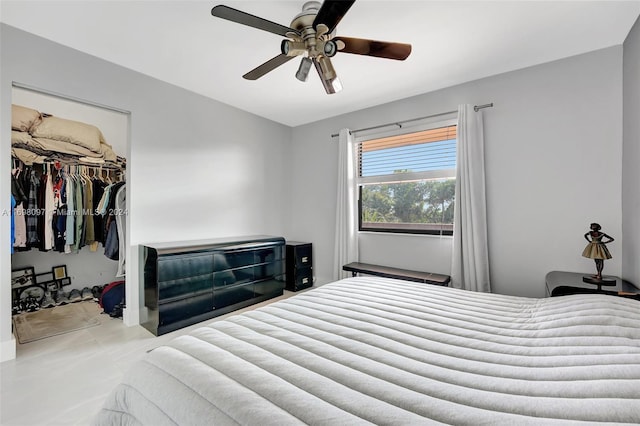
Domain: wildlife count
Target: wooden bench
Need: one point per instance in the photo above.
(401, 274)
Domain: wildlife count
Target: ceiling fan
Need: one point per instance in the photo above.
(312, 35)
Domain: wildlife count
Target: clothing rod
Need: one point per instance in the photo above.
(400, 123)
(68, 98)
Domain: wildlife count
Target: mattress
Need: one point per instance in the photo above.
(370, 350)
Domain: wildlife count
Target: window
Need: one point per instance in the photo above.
(407, 181)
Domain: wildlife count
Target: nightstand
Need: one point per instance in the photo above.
(299, 266)
(560, 283)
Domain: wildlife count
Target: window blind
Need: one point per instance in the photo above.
(418, 152)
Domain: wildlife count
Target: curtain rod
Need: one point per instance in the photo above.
(476, 108)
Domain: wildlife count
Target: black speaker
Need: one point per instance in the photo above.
(299, 266)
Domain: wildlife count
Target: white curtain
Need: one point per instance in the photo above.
(346, 237)
(470, 261)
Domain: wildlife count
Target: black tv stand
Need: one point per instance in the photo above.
(192, 281)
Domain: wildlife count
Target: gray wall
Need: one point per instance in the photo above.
(553, 165)
(197, 168)
(631, 158)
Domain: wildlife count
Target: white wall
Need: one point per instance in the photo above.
(553, 164)
(631, 158)
(197, 168)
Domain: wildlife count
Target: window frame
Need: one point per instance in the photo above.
(411, 229)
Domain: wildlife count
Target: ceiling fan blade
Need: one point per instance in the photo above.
(268, 66)
(234, 15)
(380, 49)
(331, 12)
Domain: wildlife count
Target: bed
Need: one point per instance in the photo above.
(369, 350)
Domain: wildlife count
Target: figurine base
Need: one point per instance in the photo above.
(590, 279)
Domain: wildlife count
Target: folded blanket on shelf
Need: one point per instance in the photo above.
(52, 138)
(27, 157)
(23, 118)
(44, 146)
(73, 132)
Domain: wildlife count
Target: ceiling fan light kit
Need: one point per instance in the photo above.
(328, 75)
(312, 36)
(303, 69)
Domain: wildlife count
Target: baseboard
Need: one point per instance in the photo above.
(8, 350)
(132, 316)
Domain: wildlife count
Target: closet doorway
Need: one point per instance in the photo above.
(62, 273)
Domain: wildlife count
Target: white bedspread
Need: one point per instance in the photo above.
(373, 350)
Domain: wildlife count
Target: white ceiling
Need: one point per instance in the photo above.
(453, 42)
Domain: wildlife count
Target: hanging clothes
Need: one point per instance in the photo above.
(120, 212)
(24, 180)
(70, 226)
(89, 230)
(18, 192)
(111, 246)
(13, 223)
(17, 189)
(65, 209)
(20, 240)
(60, 226)
(98, 222)
(79, 220)
(32, 209)
(104, 201)
(42, 195)
(59, 222)
(49, 210)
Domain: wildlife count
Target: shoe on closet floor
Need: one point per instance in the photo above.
(48, 301)
(16, 309)
(32, 304)
(97, 292)
(75, 295)
(61, 298)
(117, 311)
(86, 294)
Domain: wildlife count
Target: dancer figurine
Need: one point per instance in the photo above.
(597, 249)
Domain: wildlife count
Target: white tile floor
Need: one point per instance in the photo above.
(63, 380)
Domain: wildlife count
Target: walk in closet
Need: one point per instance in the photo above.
(68, 185)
